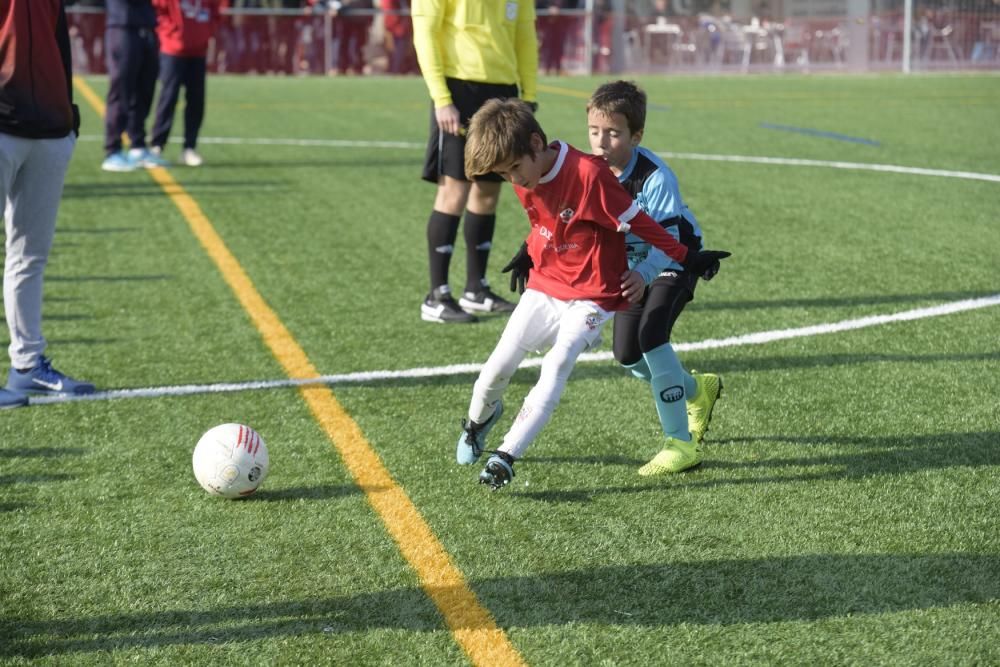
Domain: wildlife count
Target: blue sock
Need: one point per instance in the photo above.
(639, 369)
(690, 386)
(669, 391)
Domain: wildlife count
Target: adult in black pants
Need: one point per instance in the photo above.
(133, 54)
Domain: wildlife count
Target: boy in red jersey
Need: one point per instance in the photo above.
(574, 259)
(184, 28)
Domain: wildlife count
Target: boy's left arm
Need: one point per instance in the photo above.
(702, 263)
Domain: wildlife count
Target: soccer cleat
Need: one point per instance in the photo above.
(190, 158)
(440, 306)
(473, 439)
(43, 379)
(699, 408)
(143, 157)
(118, 162)
(12, 399)
(676, 456)
(498, 472)
(485, 301)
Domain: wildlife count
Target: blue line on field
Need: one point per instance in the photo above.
(658, 107)
(819, 133)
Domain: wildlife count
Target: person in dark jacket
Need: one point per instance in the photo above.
(133, 58)
(38, 128)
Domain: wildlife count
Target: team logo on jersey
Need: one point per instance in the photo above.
(593, 321)
(672, 394)
(566, 214)
(545, 232)
(511, 10)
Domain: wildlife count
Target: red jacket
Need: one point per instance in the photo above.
(36, 75)
(185, 26)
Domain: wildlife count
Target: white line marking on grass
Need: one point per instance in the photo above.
(746, 159)
(758, 338)
(794, 162)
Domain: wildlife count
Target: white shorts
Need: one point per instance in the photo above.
(539, 320)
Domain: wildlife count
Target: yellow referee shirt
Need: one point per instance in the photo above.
(487, 41)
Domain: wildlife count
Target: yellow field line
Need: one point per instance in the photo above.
(472, 625)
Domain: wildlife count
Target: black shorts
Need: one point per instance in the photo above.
(446, 152)
(648, 324)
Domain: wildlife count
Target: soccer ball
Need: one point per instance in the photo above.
(230, 460)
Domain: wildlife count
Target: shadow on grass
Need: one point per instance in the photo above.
(151, 189)
(715, 593)
(827, 302)
(12, 480)
(39, 452)
(108, 279)
(872, 456)
(321, 492)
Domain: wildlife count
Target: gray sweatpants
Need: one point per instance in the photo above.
(32, 172)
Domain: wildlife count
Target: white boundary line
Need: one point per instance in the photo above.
(758, 338)
(745, 159)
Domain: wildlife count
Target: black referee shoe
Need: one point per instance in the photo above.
(440, 306)
(485, 301)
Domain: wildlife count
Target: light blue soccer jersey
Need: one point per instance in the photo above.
(654, 188)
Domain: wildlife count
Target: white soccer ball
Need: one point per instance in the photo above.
(230, 460)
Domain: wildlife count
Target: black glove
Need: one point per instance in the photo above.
(704, 263)
(518, 267)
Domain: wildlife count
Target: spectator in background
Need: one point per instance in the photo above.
(354, 23)
(399, 36)
(553, 28)
(464, 64)
(133, 53)
(184, 28)
(38, 129)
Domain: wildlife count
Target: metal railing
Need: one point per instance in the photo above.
(607, 36)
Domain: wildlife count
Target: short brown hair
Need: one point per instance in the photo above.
(623, 97)
(499, 133)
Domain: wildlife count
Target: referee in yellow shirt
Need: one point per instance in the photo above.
(469, 51)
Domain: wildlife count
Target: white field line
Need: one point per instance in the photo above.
(745, 159)
(758, 338)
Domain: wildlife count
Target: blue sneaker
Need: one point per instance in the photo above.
(43, 379)
(118, 162)
(498, 472)
(473, 439)
(143, 157)
(12, 399)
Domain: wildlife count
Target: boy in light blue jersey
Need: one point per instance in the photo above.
(657, 287)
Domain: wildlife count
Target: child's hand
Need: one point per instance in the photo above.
(518, 267)
(633, 286)
(704, 263)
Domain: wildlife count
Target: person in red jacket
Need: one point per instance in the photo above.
(38, 128)
(399, 36)
(184, 28)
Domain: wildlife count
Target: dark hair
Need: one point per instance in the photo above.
(623, 97)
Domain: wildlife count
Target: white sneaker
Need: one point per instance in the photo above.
(191, 158)
(143, 157)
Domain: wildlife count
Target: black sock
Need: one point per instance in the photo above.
(441, 232)
(478, 241)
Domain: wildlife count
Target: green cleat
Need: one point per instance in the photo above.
(676, 456)
(699, 409)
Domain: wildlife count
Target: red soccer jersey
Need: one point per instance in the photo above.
(579, 215)
(185, 26)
